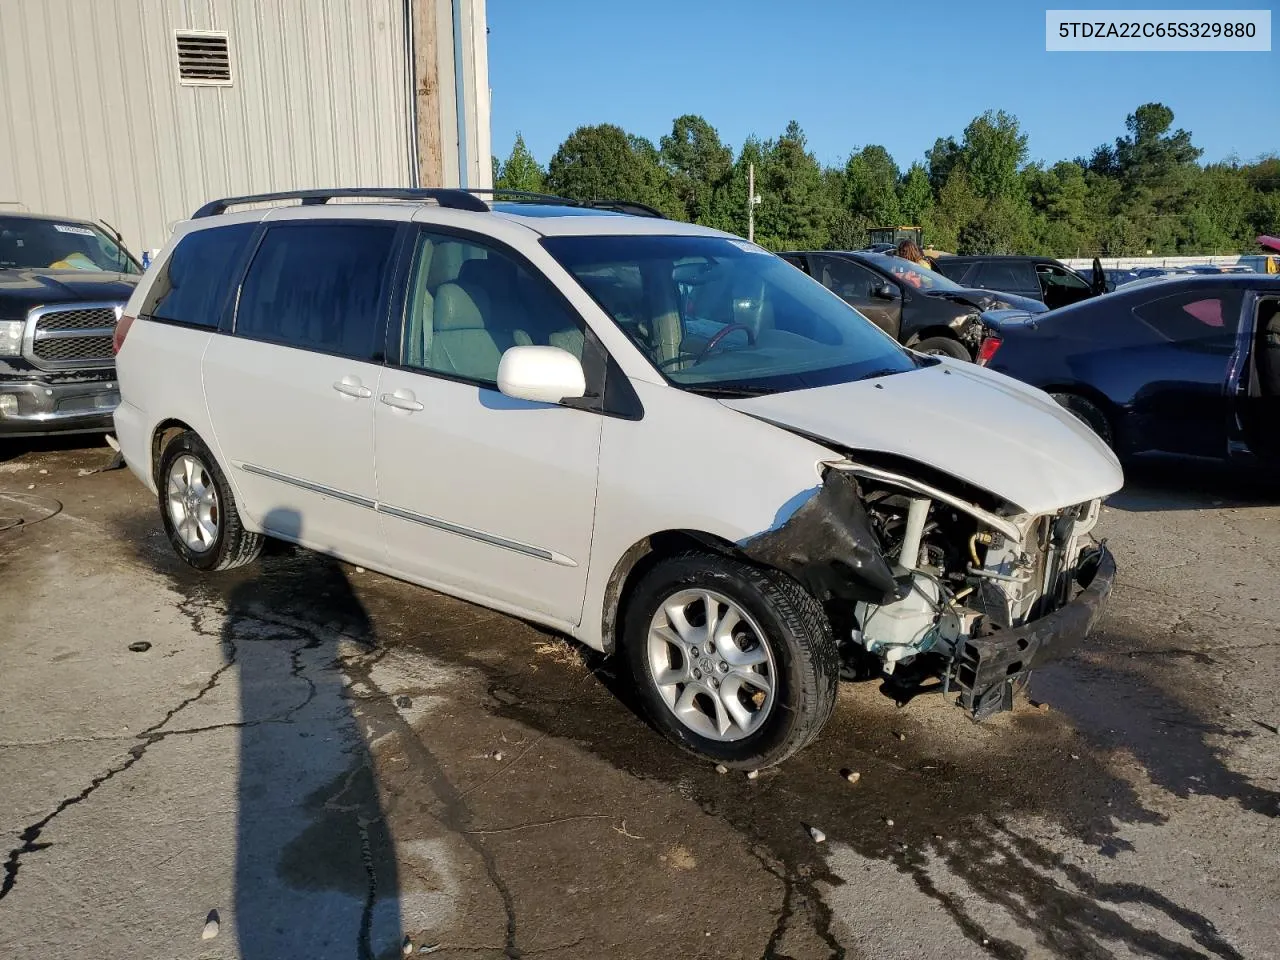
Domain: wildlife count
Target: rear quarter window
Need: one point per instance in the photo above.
(1191, 318)
(194, 285)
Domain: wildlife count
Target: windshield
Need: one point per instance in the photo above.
(720, 315)
(922, 278)
(27, 242)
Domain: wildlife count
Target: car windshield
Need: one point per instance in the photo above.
(723, 316)
(922, 278)
(31, 242)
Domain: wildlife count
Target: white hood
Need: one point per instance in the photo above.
(977, 425)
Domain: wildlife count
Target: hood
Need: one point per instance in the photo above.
(989, 300)
(977, 425)
(24, 288)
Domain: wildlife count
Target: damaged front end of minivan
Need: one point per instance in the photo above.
(940, 585)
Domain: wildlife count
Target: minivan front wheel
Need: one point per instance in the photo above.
(199, 510)
(732, 662)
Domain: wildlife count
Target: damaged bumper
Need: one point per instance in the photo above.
(990, 669)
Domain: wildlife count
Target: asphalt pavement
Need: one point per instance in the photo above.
(305, 759)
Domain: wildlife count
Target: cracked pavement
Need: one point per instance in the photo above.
(335, 761)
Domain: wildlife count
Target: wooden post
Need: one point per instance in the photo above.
(426, 93)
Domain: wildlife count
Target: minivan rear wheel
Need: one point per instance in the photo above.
(199, 510)
(732, 662)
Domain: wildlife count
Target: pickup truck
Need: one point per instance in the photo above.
(63, 286)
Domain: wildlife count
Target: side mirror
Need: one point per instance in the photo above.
(541, 374)
(884, 291)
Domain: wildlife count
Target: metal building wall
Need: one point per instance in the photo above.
(94, 123)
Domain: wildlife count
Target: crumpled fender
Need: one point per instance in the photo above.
(828, 545)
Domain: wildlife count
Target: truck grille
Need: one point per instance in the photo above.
(63, 337)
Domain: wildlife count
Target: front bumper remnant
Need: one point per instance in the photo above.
(990, 669)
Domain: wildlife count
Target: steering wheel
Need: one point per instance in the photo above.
(724, 332)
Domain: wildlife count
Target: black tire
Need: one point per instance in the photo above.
(1089, 414)
(795, 630)
(233, 545)
(943, 346)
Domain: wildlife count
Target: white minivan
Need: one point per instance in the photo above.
(655, 437)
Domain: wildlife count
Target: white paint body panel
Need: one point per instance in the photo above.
(980, 426)
(509, 469)
(274, 408)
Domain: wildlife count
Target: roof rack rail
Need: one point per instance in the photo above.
(454, 199)
(628, 206)
(616, 206)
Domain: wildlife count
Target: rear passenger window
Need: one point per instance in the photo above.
(1007, 277)
(194, 283)
(469, 303)
(319, 286)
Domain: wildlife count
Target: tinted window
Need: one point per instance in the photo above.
(996, 275)
(469, 303)
(319, 287)
(193, 284)
(850, 280)
(1197, 317)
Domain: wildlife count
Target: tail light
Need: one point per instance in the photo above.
(988, 350)
(122, 331)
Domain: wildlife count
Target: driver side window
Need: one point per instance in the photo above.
(1051, 276)
(850, 281)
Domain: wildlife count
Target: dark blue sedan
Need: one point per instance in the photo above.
(1188, 367)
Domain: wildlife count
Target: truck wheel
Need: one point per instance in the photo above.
(943, 347)
(733, 663)
(199, 510)
(1087, 413)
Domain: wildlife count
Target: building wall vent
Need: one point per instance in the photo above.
(204, 58)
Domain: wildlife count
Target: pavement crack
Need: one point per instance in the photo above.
(30, 836)
(455, 815)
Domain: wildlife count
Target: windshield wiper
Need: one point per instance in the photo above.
(731, 392)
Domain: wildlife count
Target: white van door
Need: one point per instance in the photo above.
(291, 392)
(481, 495)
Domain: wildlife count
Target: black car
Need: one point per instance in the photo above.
(1188, 367)
(917, 307)
(1039, 278)
(63, 285)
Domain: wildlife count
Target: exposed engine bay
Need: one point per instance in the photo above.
(937, 590)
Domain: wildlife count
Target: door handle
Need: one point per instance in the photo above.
(352, 387)
(401, 400)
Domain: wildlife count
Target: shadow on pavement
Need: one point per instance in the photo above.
(1152, 487)
(315, 871)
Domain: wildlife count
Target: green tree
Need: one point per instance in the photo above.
(993, 150)
(870, 186)
(796, 207)
(520, 171)
(942, 158)
(915, 196)
(697, 163)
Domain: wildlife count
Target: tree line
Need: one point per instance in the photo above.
(1146, 191)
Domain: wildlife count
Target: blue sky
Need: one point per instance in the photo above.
(894, 72)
